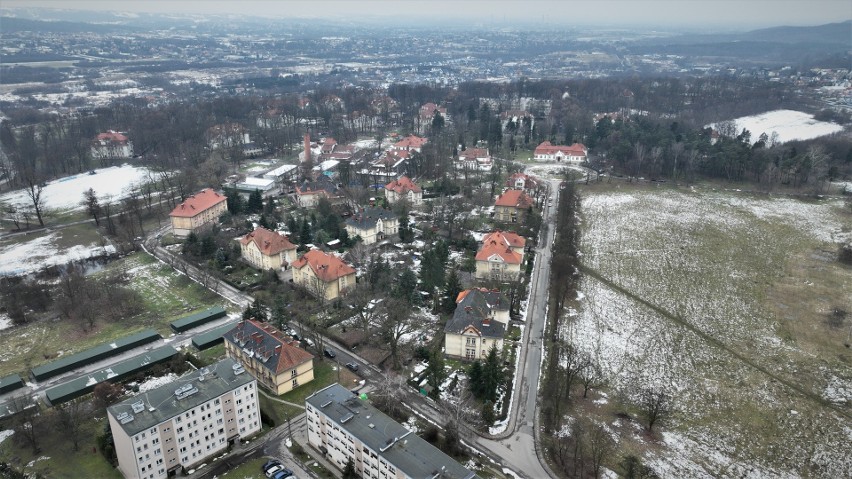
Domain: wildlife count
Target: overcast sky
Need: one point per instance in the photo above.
(730, 14)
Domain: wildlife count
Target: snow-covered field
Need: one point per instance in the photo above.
(717, 259)
(66, 194)
(43, 252)
(789, 124)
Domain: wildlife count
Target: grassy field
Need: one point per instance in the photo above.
(167, 295)
(247, 470)
(325, 373)
(724, 299)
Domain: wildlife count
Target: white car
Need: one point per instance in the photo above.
(272, 470)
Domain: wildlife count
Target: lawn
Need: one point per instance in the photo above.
(167, 296)
(722, 298)
(248, 470)
(325, 373)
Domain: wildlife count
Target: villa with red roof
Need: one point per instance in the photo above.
(404, 188)
(270, 356)
(474, 159)
(197, 212)
(323, 274)
(546, 151)
(111, 144)
(500, 257)
(512, 206)
(521, 181)
(410, 143)
(266, 249)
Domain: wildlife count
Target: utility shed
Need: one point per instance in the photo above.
(212, 337)
(195, 320)
(10, 383)
(89, 356)
(85, 384)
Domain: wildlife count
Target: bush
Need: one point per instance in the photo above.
(844, 254)
(430, 435)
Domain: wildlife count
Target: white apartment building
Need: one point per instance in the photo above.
(342, 426)
(185, 422)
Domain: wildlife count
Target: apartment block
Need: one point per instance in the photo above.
(342, 426)
(170, 429)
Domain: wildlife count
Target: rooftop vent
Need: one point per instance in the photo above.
(124, 417)
(346, 418)
(238, 369)
(185, 391)
(326, 404)
(372, 426)
(138, 407)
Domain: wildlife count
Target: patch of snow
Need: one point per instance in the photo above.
(5, 321)
(788, 124)
(66, 194)
(5, 434)
(154, 383)
(42, 252)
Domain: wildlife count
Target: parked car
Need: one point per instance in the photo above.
(269, 465)
(274, 470)
(352, 366)
(284, 475)
(329, 353)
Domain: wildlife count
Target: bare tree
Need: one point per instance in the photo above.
(389, 394)
(592, 376)
(601, 446)
(639, 152)
(676, 150)
(656, 404)
(70, 418)
(28, 423)
(396, 324)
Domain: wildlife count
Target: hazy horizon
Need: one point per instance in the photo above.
(682, 14)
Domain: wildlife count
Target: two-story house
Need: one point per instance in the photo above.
(324, 275)
(372, 224)
(475, 159)
(112, 144)
(478, 324)
(546, 151)
(512, 206)
(404, 188)
(266, 249)
(500, 257)
(270, 356)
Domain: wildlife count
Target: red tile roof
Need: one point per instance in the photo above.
(403, 186)
(268, 242)
(474, 153)
(506, 238)
(112, 136)
(198, 203)
(326, 267)
(514, 199)
(266, 341)
(546, 148)
(410, 141)
(493, 247)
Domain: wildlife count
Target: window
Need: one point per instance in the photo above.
(295, 383)
(469, 353)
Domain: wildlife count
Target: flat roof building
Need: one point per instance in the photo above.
(185, 422)
(342, 426)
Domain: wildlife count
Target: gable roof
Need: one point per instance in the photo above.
(515, 199)
(547, 148)
(111, 137)
(410, 141)
(273, 349)
(268, 242)
(198, 203)
(507, 238)
(529, 181)
(321, 186)
(493, 247)
(474, 310)
(368, 217)
(403, 186)
(326, 267)
(474, 153)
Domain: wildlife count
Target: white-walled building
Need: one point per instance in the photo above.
(186, 422)
(112, 144)
(342, 426)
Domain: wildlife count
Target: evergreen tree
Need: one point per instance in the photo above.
(305, 233)
(256, 311)
(191, 244)
(293, 228)
(435, 373)
(406, 235)
(431, 271)
(235, 201)
(349, 472)
(451, 291)
(255, 202)
(208, 246)
(265, 222)
(474, 373)
(406, 287)
(487, 413)
(492, 375)
(269, 206)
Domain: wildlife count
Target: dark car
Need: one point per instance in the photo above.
(329, 353)
(352, 366)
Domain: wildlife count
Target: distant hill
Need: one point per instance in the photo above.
(832, 33)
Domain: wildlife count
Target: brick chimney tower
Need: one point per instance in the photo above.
(307, 158)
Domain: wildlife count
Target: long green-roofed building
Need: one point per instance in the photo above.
(86, 384)
(89, 356)
(195, 320)
(211, 338)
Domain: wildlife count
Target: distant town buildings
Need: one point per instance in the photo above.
(166, 431)
(197, 212)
